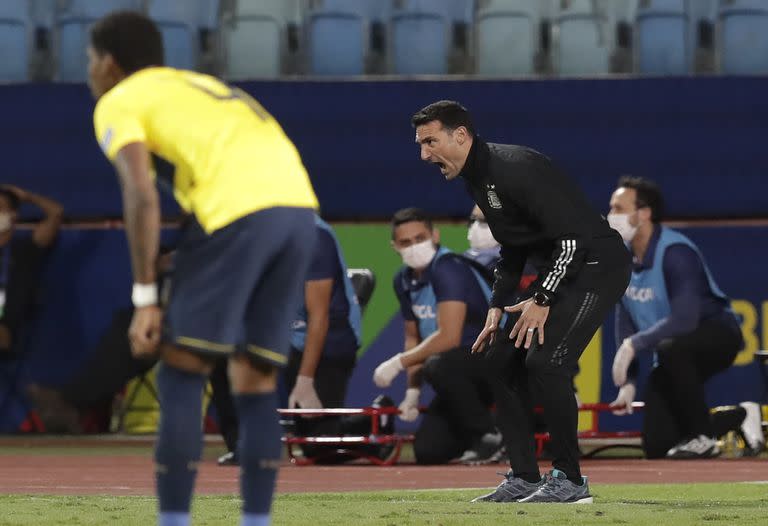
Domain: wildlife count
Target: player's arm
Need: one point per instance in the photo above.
(317, 301)
(450, 323)
(46, 230)
(411, 341)
(141, 209)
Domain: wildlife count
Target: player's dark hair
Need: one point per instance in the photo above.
(131, 38)
(13, 199)
(647, 194)
(409, 215)
(450, 113)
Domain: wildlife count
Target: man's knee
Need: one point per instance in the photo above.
(248, 375)
(434, 369)
(185, 360)
(541, 365)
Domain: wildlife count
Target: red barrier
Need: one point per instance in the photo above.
(397, 440)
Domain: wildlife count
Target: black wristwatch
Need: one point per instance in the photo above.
(542, 299)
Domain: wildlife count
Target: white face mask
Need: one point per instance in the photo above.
(480, 237)
(418, 256)
(620, 223)
(6, 222)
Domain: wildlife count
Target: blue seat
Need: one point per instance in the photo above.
(419, 43)
(71, 27)
(374, 10)
(208, 14)
(178, 23)
(585, 39)
(454, 10)
(43, 12)
(254, 36)
(15, 40)
(665, 39)
(337, 43)
(742, 46)
(507, 37)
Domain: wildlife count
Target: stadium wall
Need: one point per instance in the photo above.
(703, 139)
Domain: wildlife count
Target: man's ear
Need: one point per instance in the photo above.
(392, 244)
(111, 67)
(461, 134)
(436, 236)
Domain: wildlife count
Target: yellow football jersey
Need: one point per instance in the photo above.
(229, 157)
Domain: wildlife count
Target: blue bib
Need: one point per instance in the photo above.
(646, 297)
(354, 318)
(424, 302)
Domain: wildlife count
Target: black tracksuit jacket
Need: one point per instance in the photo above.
(537, 214)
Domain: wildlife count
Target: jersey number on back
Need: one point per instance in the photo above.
(235, 94)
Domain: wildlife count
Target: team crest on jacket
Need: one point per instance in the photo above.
(493, 198)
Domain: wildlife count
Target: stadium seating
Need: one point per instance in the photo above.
(255, 37)
(378, 10)
(71, 33)
(178, 23)
(742, 37)
(420, 39)
(337, 43)
(16, 40)
(584, 39)
(664, 37)
(507, 34)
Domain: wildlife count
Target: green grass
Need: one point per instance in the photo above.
(656, 505)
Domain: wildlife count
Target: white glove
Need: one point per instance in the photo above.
(304, 394)
(624, 400)
(387, 371)
(409, 407)
(624, 356)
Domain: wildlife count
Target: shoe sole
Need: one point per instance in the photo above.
(584, 500)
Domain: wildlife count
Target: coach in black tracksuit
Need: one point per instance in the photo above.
(539, 215)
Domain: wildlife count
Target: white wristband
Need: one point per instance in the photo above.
(144, 294)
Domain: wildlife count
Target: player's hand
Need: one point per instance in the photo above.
(304, 394)
(531, 321)
(144, 332)
(488, 335)
(409, 407)
(387, 371)
(623, 402)
(624, 356)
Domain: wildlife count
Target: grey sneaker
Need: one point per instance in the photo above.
(511, 489)
(697, 447)
(752, 429)
(557, 488)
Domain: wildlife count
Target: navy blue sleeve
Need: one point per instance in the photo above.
(687, 288)
(325, 260)
(452, 280)
(406, 308)
(625, 327)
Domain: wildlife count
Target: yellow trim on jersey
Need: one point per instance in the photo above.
(272, 356)
(228, 156)
(204, 345)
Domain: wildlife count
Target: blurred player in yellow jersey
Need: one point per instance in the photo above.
(241, 263)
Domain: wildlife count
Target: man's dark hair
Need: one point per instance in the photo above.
(647, 194)
(408, 215)
(131, 38)
(12, 198)
(450, 113)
